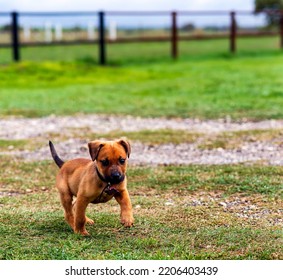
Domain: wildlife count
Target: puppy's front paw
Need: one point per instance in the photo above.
(82, 232)
(89, 221)
(127, 220)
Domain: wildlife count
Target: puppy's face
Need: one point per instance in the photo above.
(111, 158)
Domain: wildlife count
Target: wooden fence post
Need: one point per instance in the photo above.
(101, 42)
(15, 37)
(174, 36)
(233, 32)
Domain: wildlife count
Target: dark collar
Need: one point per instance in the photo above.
(100, 176)
(110, 190)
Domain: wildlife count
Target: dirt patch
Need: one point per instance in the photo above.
(4, 194)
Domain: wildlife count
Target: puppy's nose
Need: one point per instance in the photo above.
(116, 175)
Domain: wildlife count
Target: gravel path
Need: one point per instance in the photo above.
(23, 128)
(265, 152)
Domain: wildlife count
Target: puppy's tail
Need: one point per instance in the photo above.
(55, 156)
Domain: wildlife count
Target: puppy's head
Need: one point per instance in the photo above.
(111, 158)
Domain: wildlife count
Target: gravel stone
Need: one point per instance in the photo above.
(14, 128)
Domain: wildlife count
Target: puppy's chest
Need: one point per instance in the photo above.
(102, 198)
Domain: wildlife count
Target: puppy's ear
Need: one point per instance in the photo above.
(94, 148)
(126, 145)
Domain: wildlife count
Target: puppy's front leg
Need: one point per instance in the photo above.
(123, 199)
(80, 218)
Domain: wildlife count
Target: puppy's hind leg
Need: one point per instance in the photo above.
(66, 200)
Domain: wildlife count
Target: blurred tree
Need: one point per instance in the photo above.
(188, 27)
(271, 7)
(6, 27)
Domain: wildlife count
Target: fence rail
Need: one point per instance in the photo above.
(174, 37)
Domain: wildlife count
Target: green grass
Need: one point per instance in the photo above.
(12, 144)
(228, 179)
(125, 53)
(239, 87)
(180, 211)
(204, 84)
(150, 137)
(235, 139)
(32, 224)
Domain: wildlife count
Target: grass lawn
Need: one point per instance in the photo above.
(240, 87)
(185, 212)
(131, 53)
(207, 85)
(181, 212)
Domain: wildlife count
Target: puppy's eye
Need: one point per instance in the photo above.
(122, 160)
(105, 162)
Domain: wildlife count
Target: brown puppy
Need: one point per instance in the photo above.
(94, 181)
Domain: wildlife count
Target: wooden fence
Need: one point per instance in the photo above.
(102, 41)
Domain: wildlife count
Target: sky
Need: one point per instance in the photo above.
(130, 5)
(85, 5)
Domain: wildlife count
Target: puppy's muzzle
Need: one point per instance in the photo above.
(116, 177)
